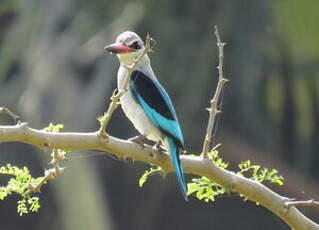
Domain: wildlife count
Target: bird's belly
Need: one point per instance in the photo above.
(139, 119)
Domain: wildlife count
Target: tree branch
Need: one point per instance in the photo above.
(4, 110)
(213, 110)
(69, 141)
(49, 174)
(304, 203)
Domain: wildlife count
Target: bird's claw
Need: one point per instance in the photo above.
(158, 146)
(138, 139)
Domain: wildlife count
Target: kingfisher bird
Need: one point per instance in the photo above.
(146, 103)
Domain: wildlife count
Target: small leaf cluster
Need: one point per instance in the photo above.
(205, 189)
(19, 183)
(101, 119)
(257, 173)
(54, 128)
(146, 175)
(22, 183)
(214, 156)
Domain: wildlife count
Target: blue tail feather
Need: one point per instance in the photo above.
(174, 151)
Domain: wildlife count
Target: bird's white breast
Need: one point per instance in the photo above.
(134, 111)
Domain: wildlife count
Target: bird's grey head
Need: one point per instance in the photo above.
(128, 46)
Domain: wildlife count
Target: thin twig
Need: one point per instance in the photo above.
(115, 98)
(57, 157)
(213, 110)
(4, 110)
(303, 203)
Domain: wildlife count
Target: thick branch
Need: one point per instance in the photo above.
(194, 165)
(213, 110)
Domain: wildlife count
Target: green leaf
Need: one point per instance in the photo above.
(54, 128)
(255, 172)
(146, 174)
(19, 183)
(22, 208)
(206, 190)
(214, 155)
(34, 204)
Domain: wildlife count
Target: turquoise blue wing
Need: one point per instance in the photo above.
(158, 107)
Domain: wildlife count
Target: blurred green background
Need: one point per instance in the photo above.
(53, 68)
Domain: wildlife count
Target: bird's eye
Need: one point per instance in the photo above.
(135, 45)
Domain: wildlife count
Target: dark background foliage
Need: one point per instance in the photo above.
(53, 68)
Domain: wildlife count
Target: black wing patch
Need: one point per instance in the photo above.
(151, 94)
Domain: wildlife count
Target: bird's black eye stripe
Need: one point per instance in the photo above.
(135, 45)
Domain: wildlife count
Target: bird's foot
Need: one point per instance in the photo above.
(158, 146)
(138, 139)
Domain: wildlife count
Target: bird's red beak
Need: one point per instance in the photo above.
(118, 48)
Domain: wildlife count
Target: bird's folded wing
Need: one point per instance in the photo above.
(157, 105)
